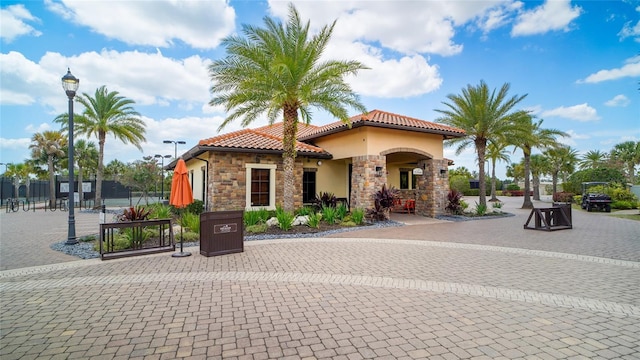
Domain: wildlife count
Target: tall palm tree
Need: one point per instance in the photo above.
(484, 115)
(15, 171)
(562, 160)
(496, 151)
(278, 70)
(527, 135)
(86, 156)
(51, 145)
(539, 166)
(107, 113)
(593, 159)
(627, 153)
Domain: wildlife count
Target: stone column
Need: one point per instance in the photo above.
(437, 186)
(365, 180)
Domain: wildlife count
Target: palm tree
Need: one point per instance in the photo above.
(114, 169)
(278, 70)
(484, 115)
(526, 135)
(628, 153)
(15, 171)
(593, 159)
(51, 145)
(539, 166)
(107, 113)
(496, 151)
(562, 160)
(86, 156)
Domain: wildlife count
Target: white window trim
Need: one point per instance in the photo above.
(272, 186)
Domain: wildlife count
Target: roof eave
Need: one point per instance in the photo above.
(446, 134)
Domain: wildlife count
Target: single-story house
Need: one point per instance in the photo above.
(243, 169)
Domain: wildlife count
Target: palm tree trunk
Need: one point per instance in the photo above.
(289, 155)
(481, 148)
(493, 181)
(527, 204)
(536, 187)
(554, 181)
(52, 183)
(99, 173)
(630, 167)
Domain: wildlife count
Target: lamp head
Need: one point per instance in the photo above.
(70, 83)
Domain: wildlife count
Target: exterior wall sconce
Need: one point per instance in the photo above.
(378, 171)
(319, 163)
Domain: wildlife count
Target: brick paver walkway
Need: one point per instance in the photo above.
(415, 292)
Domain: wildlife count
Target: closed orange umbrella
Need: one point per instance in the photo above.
(181, 195)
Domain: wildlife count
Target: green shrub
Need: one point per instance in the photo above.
(187, 236)
(329, 214)
(159, 211)
(577, 199)
(120, 242)
(341, 211)
(459, 183)
(512, 187)
(88, 238)
(306, 210)
(619, 193)
(285, 219)
(252, 217)
(622, 205)
(575, 180)
(196, 207)
(481, 209)
(497, 205)
(191, 221)
(348, 223)
(314, 220)
(357, 215)
(257, 228)
(136, 236)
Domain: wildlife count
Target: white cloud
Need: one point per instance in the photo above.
(199, 24)
(630, 30)
(618, 100)
(630, 69)
(39, 128)
(13, 20)
(408, 27)
(582, 112)
(553, 15)
(146, 78)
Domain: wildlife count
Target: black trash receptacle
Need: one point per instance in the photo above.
(221, 232)
(558, 219)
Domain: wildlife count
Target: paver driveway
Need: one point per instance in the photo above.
(480, 289)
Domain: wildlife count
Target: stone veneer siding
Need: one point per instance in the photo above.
(227, 179)
(364, 180)
(432, 188)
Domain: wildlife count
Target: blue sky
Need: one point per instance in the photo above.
(578, 61)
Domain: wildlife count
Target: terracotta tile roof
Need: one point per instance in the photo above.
(385, 119)
(277, 129)
(249, 139)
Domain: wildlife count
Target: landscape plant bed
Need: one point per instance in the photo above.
(473, 216)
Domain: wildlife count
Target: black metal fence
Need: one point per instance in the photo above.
(39, 192)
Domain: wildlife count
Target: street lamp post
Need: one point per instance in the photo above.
(175, 149)
(6, 165)
(70, 84)
(162, 170)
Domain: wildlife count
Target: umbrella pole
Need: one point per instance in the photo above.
(181, 254)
